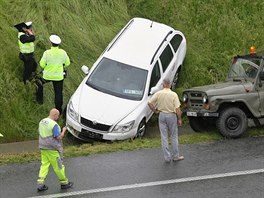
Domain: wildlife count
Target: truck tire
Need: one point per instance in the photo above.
(232, 122)
(198, 124)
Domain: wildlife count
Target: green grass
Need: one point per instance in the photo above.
(128, 145)
(99, 147)
(215, 31)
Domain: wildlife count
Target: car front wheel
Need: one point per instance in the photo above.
(232, 122)
(141, 129)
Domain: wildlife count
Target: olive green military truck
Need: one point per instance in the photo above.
(229, 105)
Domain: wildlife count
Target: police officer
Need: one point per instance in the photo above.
(26, 40)
(53, 62)
(50, 144)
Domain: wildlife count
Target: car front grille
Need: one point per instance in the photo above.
(196, 94)
(94, 125)
(196, 99)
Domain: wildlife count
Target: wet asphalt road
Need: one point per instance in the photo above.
(131, 173)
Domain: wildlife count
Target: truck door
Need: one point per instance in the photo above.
(260, 85)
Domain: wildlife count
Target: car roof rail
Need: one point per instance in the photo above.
(170, 32)
(124, 29)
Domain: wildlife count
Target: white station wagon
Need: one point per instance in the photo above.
(111, 101)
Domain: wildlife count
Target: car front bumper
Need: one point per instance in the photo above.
(190, 113)
(85, 133)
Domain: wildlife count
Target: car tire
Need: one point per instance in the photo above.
(175, 79)
(232, 122)
(141, 129)
(199, 124)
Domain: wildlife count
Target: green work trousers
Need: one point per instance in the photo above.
(51, 157)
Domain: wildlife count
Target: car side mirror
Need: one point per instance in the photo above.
(153, 90)
(85, 69)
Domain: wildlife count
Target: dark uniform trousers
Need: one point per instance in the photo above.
(30, 66)
(58, 92)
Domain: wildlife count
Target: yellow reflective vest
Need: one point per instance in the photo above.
(25, 48)
(53, 63)
(46, 139)
(46, 126)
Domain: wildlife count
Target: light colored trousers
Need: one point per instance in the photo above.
(168, 123)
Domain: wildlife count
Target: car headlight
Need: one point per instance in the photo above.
(205, 99)
(185, 98)
(123, 128)
(72, 113)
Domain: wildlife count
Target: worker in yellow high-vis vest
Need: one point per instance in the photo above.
(50, 144)
(54, 63)
(26, 38)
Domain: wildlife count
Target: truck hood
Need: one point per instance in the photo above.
(101, 107)
(224, 88)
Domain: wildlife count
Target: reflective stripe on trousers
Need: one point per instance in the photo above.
(51, 157)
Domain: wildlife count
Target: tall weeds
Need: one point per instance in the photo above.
(215, 31)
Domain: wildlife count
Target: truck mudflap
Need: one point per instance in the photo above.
(201, 114)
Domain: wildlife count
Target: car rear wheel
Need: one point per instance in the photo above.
(175, 79)
(232, 122)
(141, 129)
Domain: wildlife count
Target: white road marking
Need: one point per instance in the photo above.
(156, 183)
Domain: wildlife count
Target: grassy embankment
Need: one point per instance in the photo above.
(215, 31)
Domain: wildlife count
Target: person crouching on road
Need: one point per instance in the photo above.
(168, 106)
(53, 62)
(51, 149)
(26, 38)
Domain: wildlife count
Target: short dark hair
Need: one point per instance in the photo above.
(54, 45)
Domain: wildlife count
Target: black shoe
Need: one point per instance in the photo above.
(66, 186)
(43, 188)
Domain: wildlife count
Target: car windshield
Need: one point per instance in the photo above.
(243, 68)
(118, 79)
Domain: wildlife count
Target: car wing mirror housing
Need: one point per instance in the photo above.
(85, 69)
(153, 90)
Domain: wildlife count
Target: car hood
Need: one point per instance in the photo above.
(101, 107)
(224, 88)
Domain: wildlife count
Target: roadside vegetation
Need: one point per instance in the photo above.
(77, 150)
(215, 31)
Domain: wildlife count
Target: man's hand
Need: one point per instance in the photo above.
(151, 106)
(28, 31)
(64, 129)
(179, 122)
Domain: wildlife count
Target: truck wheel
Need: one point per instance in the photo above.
(198, 124)
(232, 122)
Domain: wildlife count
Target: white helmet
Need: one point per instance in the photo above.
(29, 23)
(55, 39)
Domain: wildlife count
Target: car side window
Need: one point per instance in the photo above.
(155, 75)
(176, 41)
(166, 57)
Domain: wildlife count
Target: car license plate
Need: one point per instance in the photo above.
(90, 134)
(190, 113)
